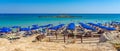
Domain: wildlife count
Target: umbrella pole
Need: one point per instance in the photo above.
(73, 35)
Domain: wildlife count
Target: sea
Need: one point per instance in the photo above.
(7, 20)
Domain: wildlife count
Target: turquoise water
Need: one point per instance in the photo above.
(30, 19)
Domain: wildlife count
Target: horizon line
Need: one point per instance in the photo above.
(60, 13)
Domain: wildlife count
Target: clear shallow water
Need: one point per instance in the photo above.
(30, 19)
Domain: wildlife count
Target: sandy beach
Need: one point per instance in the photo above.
(25, 44)
(59, 25)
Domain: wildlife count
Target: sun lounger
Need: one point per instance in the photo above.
(13, 37)
(25, 35)
(95, 34)
(2, 35)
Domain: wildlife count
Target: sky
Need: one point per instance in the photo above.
(59, 6)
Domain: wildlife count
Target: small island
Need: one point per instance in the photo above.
(61, 16)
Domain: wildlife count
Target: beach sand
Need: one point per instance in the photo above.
(26, 44)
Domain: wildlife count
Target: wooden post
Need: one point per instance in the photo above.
(49, 39)
(64, 38)
(68, 36)
(56, 35)
(81, 39)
